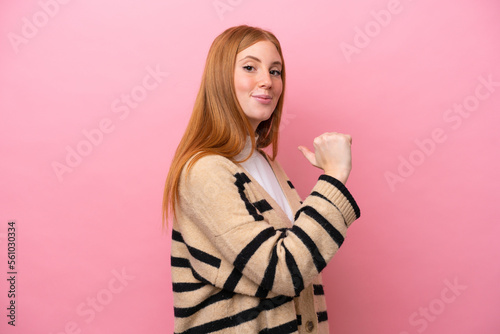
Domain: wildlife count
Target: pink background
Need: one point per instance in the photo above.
(66, 66)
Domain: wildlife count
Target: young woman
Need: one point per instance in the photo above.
(246, 252)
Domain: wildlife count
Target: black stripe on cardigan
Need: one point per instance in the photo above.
(268, 280)
(340, 186)
(318, 289)
(322, 316)
(262, 205)
(199, 277)
(241, 179)
(242, 317)
(247, 252)
(332, 231)
(186, 287)
(204, 257)
(317, 194)
(297, 280)
(318, 259)
(244, 256)
(184, 312)
(177, 236)
(232, 280)
(197, 253)
(179, 262)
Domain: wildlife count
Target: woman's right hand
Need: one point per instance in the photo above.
(332, 153)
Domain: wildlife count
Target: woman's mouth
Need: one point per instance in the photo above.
(264, 99)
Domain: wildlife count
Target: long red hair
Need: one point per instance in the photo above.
(218, 124)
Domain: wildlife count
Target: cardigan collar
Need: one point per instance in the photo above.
(290, 193)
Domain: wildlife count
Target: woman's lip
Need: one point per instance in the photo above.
(263, 99)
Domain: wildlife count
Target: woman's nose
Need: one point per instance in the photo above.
(265, 80)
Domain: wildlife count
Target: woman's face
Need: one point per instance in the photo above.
(257, 81)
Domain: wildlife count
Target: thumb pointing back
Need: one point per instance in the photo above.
(308, 154)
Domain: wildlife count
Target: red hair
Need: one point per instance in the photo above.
(218, 124)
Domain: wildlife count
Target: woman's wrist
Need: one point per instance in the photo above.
(339, 175)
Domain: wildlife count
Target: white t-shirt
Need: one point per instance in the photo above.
(262, 172)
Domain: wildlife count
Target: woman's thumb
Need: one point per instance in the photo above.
(308, 154)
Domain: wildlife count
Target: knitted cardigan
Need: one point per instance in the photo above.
(239, 265)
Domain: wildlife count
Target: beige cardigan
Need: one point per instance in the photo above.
(239, 265)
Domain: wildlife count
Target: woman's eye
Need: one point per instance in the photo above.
(250, 68)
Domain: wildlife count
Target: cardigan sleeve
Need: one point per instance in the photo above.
(217, 199)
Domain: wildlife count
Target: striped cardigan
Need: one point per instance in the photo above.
(239, 265)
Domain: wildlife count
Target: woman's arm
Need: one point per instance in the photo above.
(216, 200)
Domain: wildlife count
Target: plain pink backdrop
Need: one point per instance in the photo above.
(91, 257)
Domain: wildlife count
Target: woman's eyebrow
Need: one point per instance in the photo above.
(258, 60)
